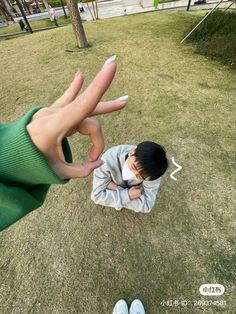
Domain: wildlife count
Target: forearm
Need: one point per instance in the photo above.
(119, 198)
(20, 160)
(141, 204)
(146, 201)
(112, 186)
(25, 175)
(112, 198)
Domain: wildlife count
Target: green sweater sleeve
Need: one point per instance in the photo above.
(25, 175)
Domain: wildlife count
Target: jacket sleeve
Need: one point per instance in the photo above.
(103, 196)
(25, 175)
(145, 203)
(17, 202)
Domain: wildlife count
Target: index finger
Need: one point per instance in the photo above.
(82, 107)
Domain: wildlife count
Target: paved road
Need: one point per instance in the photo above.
(116, 8)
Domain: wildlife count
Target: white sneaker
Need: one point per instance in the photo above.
(121, 307)
(118, 208)
(136, 307)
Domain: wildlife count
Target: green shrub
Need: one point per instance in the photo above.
(216, 37)
(57, 3)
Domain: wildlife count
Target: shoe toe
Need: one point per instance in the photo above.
(136, 307)
(121, 307)
(118, 208)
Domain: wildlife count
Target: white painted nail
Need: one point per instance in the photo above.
(122, 98)
(110, 60)
(78, 72)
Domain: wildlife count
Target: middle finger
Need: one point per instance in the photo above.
(74, 113)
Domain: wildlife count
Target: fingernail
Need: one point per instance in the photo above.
(122, 98)
(78, 72)
(110, 60)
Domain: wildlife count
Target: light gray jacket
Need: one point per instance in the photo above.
(111, 170)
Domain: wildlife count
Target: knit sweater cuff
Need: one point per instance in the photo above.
(20, 160)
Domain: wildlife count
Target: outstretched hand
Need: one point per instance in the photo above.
(71, 114)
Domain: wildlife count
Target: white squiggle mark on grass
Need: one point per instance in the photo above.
(176, 170)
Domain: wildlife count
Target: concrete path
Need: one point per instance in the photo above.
(108, 9)
(113, 8)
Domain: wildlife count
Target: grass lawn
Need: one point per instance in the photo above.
(216, 37)
(15, 28)
(72, 256)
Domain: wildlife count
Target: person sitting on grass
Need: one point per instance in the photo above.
(130, 176)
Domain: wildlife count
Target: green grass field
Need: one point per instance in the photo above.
(15, 28)
(72, 256)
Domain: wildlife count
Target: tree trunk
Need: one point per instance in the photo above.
(26, 6)
(62, 4)
(94, 10)
(6, 9)
(96, 4)
(3, 18)
(29, 29)
(77, 23)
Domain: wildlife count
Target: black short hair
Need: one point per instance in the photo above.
(151, 160)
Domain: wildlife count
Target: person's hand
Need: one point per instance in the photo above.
(112, 186)
(135, 192)
(71, 114)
